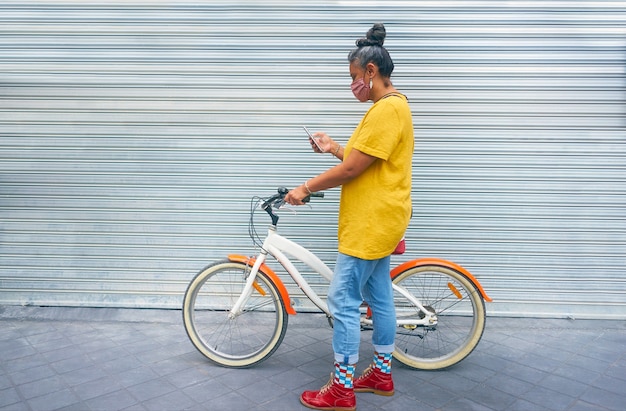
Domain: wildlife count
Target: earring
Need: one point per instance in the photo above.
(371, 82)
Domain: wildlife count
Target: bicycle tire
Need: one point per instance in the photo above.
(461, 317)
(249, 338)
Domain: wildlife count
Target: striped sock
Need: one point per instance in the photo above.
(344, 374)
(382, 361)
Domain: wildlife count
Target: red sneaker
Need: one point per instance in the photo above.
(374, 380)
(331, 397)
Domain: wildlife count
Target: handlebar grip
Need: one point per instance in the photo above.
(308, 198)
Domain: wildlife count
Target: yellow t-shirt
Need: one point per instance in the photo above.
(375, 207)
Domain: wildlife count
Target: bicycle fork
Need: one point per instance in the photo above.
(248, 287)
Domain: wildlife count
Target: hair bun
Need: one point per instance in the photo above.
(374, 37)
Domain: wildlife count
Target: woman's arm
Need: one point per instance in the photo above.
(347, 170)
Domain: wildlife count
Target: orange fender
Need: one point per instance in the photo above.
(282, 290)
(442, 263)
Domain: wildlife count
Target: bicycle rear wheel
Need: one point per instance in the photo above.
(460, 311)
(237, 342)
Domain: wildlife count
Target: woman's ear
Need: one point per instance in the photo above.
(371, 69)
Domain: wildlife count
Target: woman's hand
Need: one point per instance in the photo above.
(295, 196)
(324, 144)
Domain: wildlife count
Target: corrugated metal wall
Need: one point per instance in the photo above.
(133, 134)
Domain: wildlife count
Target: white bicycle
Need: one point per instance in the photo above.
(236, 311)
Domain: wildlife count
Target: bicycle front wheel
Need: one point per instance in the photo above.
(460, 311)
(246, 339)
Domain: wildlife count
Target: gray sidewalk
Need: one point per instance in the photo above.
(112, 359)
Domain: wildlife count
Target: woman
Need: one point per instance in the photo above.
(374, 212)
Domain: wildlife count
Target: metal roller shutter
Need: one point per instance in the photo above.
(133, 134)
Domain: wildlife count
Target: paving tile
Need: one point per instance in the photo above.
(609, 400)
(466, 404)
(23, 363)
(151, 389)
(509, 385)
(316, 367)
(603, 354)
(136, 376)
(108, 354)
(580, 405)
(97, 388)
(155, 355)
(458, 383)
(235, 378)
(4, 381)
(472, 371)
(176, 364)
(591, 364)
(617, 370)
(18, 352)
(59, 354)
(405, 403)
(187, 377)
(484, 358)
(435, 396)
(563, 385)
(44, 339)
(139, 407)
(575, 373)
(539, 361)
(20, 406)
(292, 379)
(83, 375)
(294, 358)
(42, 327)
(41, 387)
(175, 400)
(491, 397)
(206, 391)
(9, 333)
(548, 399)
(32, 374)
(523, 405)
(94, 342)
(71, 364)
(555, 354)
(9, 396)
(611, 384)
(263, 391)
(524, 373)
(54, 400)
(232, 401)
(141, 346)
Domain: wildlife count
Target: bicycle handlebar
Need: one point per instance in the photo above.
(278, 200)
(280, 197)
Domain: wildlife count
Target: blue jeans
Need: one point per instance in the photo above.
(354, 281)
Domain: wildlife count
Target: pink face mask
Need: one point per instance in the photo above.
(361, 89)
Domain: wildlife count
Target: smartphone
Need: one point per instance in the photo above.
(313, 138)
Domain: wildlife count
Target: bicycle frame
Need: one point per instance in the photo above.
(440, 306)
(278, 246)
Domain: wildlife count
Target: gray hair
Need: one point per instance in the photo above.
(370, 50)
